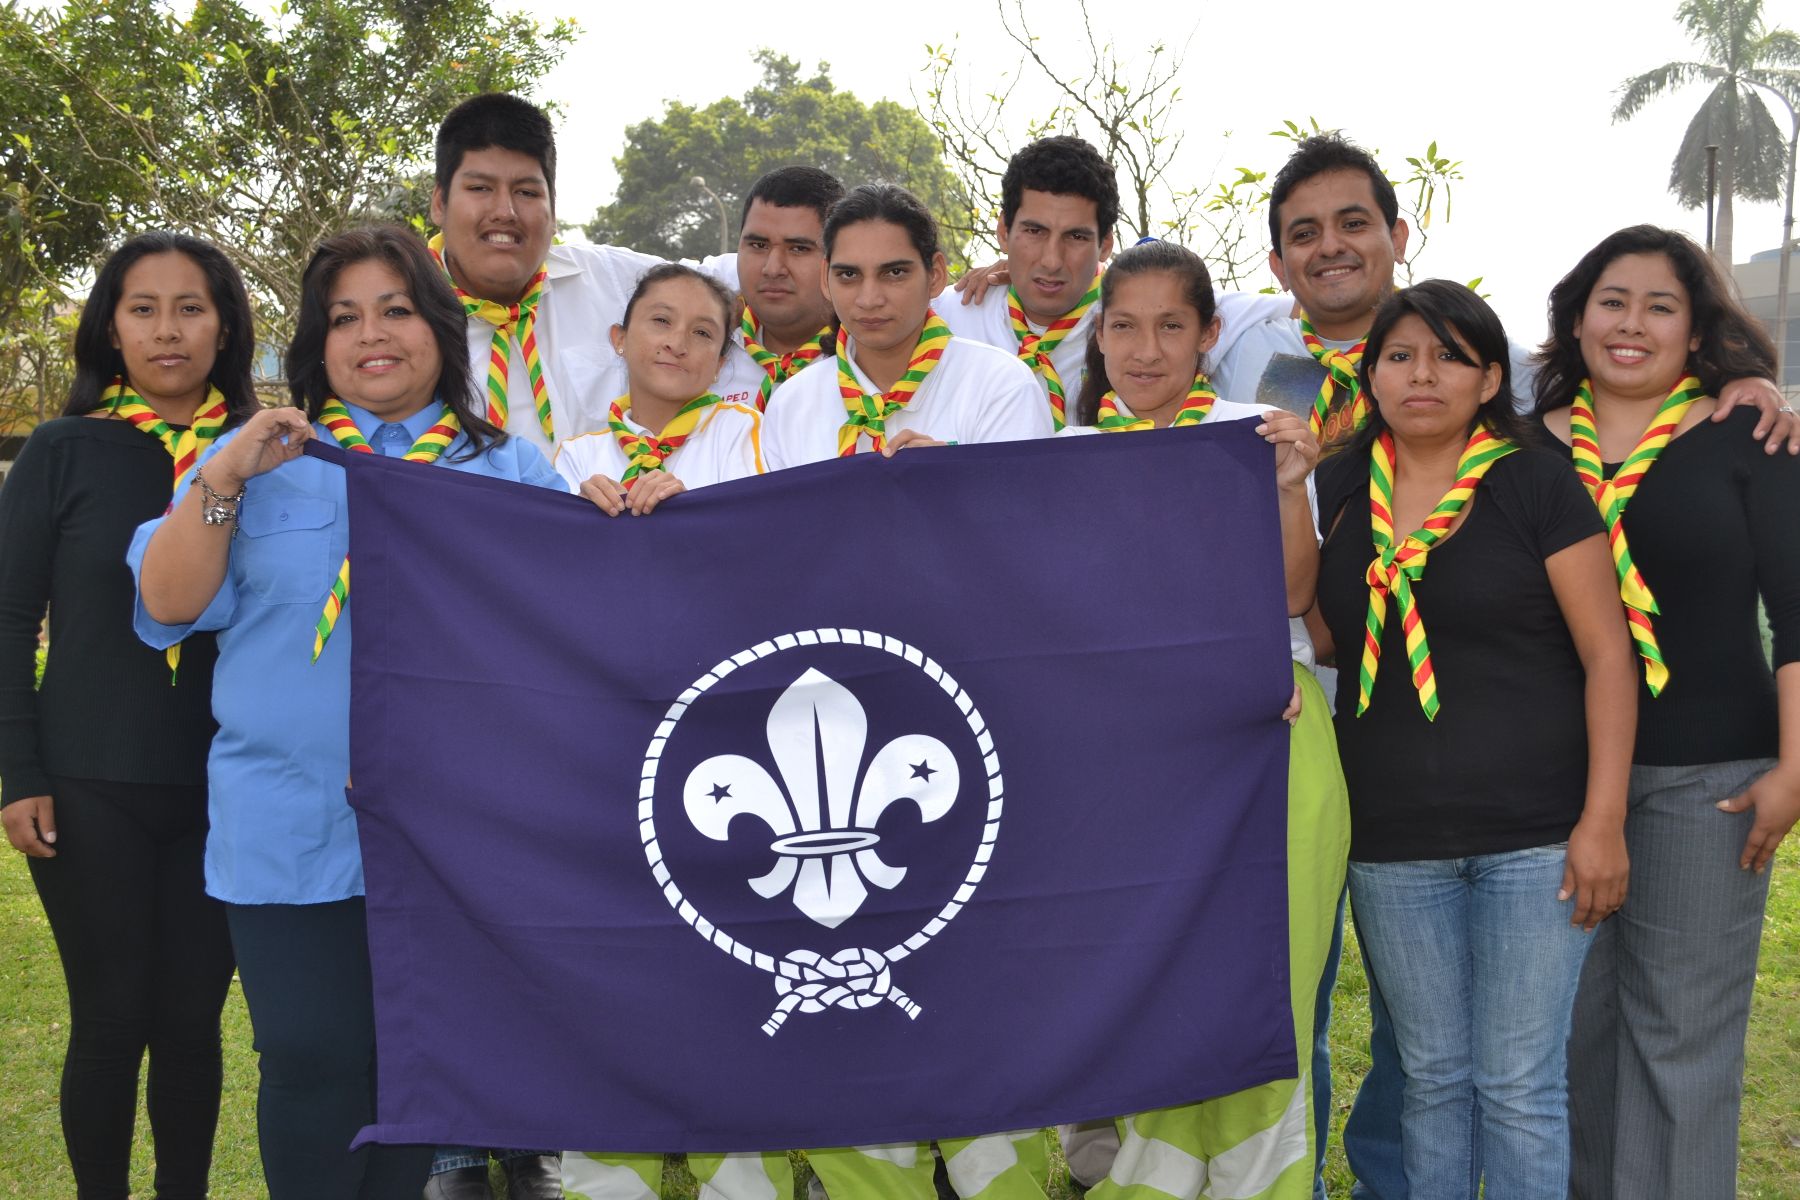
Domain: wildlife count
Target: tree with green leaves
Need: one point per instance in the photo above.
(1740, 55)
(262, 135)
(685, 174)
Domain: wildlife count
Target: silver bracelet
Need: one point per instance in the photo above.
(217, 510)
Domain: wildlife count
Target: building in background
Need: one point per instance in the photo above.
(1757, 282)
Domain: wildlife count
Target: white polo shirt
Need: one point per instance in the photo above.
(725, 445)
(988, 322)
(975, 394)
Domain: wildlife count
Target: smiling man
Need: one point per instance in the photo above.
(786, 322)
(538, 312)
(1059, 200)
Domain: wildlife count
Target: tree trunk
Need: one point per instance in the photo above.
(1722, 228)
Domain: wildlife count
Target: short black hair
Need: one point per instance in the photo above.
(1188, 268)
(429, 289)
(885, 202)
(1733, 344)
(1458, 318)
(1322, 153)
(794, 187)
(1062, 166)
(98, 362)
(495, 119)
(662, 272)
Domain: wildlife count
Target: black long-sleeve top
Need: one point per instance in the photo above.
(1715, 523)
(77, 493)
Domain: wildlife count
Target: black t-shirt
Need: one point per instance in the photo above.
(1504, 766)
(1715, 522)
(68, 510)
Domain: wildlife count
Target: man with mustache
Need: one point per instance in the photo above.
(787, 320)
(1059, 201)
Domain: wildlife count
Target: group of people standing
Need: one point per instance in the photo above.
(1553, 762)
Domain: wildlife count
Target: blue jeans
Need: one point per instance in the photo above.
(457, 1158)
(1372, 1131)
(1478, 965)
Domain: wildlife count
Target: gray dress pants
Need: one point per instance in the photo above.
(1656, 1058)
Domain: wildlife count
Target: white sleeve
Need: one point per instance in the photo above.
(774, 421)
(572, 463)
(1015, 408)
(722, 267)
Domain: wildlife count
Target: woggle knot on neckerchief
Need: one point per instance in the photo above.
(1390, 576)
(514, 324)
(1612, 495)
(868, 414)
(1400, 561)
(857, 977)
(1327, 422)
(778, 368)
(1035, 348)
(649, 451)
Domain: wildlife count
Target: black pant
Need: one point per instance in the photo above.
(305, 971)
(148, 963)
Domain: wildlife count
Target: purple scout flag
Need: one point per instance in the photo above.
(870, 801)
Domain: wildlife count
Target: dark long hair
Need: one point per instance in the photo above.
(885, 202)
(1196, 288)
(98, 361)
(1732, 344)
(402, 251)
(1457, 317)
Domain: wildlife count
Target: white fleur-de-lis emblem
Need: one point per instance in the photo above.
(824, 819)
(823, 816)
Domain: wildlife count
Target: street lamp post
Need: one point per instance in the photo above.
(1787, 237)
(724, 221)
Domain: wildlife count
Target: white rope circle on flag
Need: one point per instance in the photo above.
(855, 977)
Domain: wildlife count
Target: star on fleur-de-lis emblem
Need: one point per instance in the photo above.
(823, 817)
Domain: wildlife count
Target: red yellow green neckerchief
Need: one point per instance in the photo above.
(1399, 563)
(1035, 348)
(1612, 495)
(778, 368)
(1340, 372)
(648, 451)
(1193, 410)
(868, 414)
(184, 446)
(431, 444)
(514, 324)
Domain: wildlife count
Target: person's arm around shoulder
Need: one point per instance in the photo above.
(1778, 423)
(1586, 586)
(185, 560)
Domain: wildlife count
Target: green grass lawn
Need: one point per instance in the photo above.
(32, 1015)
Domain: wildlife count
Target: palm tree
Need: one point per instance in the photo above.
(1740, 57)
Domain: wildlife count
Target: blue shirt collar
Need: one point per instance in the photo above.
(416, 425)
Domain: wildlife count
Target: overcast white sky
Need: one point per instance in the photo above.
(1522, 93)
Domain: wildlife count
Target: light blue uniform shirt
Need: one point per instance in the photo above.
(282, 832)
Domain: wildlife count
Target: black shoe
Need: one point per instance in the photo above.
(534, 1177)
(464, 1183)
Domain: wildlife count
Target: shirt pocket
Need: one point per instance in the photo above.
(284, 556)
